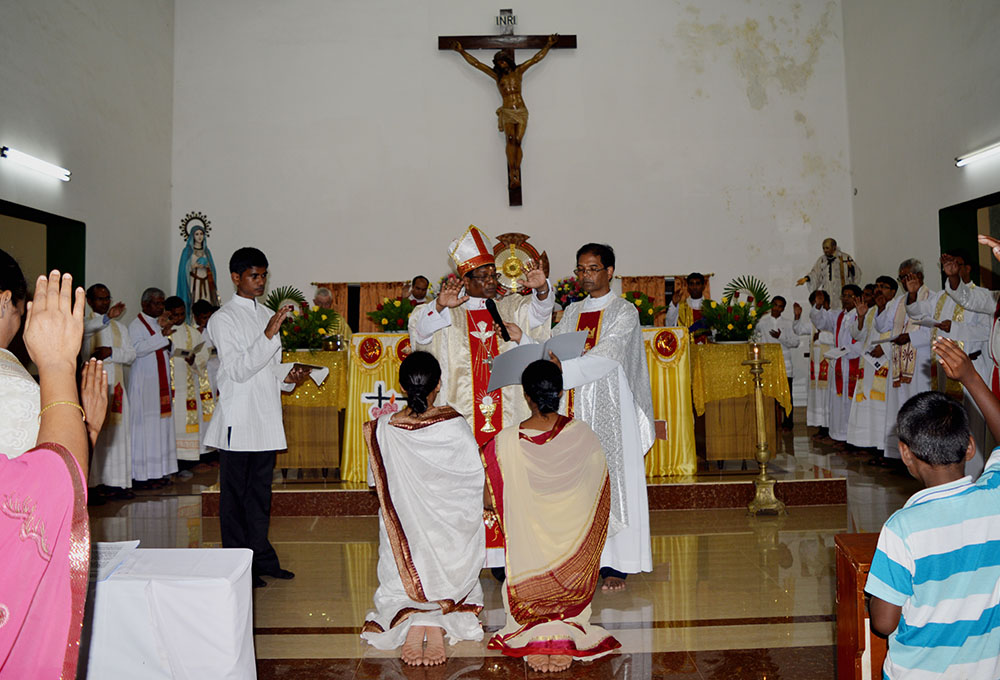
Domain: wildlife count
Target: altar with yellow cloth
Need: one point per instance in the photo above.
(312, 414)
(373, 379)
(668, 352)
(722, 391)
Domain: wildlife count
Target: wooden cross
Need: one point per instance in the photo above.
(513, 118)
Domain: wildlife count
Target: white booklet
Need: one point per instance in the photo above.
(926, 323)
(835, 353)
(885, 340)
(317, 373)
(876, 362)
(185, 353)
(508, 367)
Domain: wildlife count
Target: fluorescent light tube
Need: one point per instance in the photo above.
(36, 164)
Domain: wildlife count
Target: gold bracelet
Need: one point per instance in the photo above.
(64, 403)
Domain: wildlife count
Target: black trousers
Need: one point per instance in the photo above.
(245, 505)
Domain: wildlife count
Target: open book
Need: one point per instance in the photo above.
(508, 367)
(185, 353)
(317, 373)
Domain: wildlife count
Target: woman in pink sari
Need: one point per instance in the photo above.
(548, 484)
(44, 534)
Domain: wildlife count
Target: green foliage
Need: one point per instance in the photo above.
(644, 305)
(392, 314)
(284, 294)
(744, 301)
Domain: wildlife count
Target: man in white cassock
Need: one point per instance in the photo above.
(193, 399)
(247, 426)
(151, 424)
(107, 339)
(909, 349)
(608, 388)
(202, 311)
(818, 396)
(458, 330)
(833, 270)
(777, 330)
(846, 360)
(866, 425)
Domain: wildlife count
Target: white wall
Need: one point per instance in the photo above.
(87, 84)
(337, 138)
(923, 84)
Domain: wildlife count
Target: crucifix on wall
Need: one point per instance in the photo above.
(512, 116)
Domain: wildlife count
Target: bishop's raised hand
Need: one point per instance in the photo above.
(449, 295)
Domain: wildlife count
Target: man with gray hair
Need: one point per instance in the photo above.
(832, 271)
(151, 424)
(909, 348)
(324, 300)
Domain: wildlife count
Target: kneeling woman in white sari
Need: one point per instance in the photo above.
(426, 469)
(548, 480)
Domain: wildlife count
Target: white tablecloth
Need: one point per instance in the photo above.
(184, 613)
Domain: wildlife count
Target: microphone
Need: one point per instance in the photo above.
(491, 307)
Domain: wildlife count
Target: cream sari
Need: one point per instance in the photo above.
(552, 497)
(19, 406)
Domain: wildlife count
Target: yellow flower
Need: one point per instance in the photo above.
(749, 326)
(742, 304)
(713, 305)
(649, 311)
(395, 303)
(323, 317)
(625, 295)
(730, 327)
(385, 321)
(284, 332)
(321, 331)
(385, 301)
(315, 308)
(753, 313)
(638, 303)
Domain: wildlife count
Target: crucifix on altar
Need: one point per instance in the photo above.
(512, 116)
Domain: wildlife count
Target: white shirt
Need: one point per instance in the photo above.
(788, 338)
(248, 415)
(539, 311)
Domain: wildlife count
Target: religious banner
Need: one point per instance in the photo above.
(668, 359)
(373, 379)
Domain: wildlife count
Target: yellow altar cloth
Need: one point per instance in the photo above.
(717, 373)
(310, 413)
(668, 359)
(374, 388)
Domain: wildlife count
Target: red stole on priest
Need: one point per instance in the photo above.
(487, 407)
(853, 366)
(590, 322)
(166, 394)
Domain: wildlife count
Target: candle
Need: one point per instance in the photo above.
(756, 352)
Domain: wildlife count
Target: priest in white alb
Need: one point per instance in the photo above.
(193, 399)
(608, 388)
(774, 329)
(866, 425)
(458, 329)
(107, 339)
(818, 396)
(846, 364)
(833, 270)
(151, 424)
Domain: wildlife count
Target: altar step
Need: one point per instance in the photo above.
(338, 499)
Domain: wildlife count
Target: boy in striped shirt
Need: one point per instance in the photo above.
(935, 577)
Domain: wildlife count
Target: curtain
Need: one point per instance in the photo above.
(653, 286)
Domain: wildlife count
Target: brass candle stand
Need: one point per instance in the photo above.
(764, 500)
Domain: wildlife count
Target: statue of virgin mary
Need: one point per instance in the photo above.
(196, 270)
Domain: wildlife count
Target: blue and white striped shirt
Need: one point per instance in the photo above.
(939, 559)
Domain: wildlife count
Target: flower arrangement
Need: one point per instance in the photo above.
(306, 327)
(391, 314)
(644, 305)
(733, 318)
(568, 290)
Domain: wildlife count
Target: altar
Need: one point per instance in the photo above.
(312, 413)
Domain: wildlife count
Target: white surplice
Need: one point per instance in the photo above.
(154, 451)
(445, 334)
(818, 397)
(111, 463)
(19, 406)
(248, 414)
(788, 338)
(613, 397)
(190, 382)
(866, 425)
(920, 339)
(838, 322)
(433, 477)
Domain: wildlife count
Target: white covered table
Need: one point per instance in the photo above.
(182, 613)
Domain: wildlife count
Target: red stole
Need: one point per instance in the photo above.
(590, 322)
(853, 366)
(487, 407)
(166, 394)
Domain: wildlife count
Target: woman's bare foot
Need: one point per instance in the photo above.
(434, 653)
(412, 652)
(613, 583)
(559, 663)
(538, 662)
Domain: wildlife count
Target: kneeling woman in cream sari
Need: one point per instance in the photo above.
(426, 469)
(548, 481)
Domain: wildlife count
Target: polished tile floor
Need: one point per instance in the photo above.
(729, 597)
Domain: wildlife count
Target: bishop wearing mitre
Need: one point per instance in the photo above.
(458, 329)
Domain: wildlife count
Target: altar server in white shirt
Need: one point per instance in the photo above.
(845, 366)
(151, 425)
(246, 426)
(107, 339)
(777, 330)
(818, 402)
